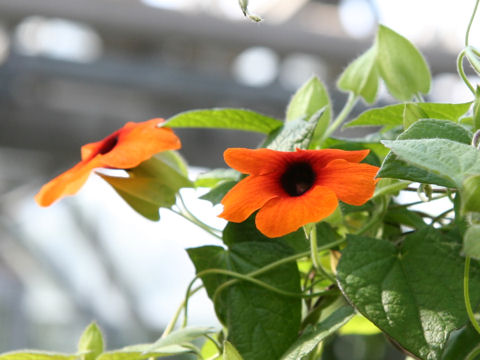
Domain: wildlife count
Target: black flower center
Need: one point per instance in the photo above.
(298, 179)
(108, 145)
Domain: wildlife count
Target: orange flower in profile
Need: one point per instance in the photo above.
(292, 189)
(126, 148)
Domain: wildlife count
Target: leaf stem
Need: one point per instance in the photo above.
(461, 72)
(347, 108)
(467, 34)
(466, 295)
(474, 353)
(173, 321)
(315, 256)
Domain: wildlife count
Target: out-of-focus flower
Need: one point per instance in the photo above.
(292, 189)
(126, 148)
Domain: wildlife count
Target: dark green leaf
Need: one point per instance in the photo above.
(261, 324)
(394, 167)
(314, 335)
(235, 233)
(471, 242)
(461, 342)
(152, 184)
(393, 115)
(414, 294)
(361, 76)
(216, 195)
(234, 119)
(91, 343)
(401, 66)
(403, 216)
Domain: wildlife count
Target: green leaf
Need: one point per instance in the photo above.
(216, 194)
(216, 176)
(415, 293)
(470, 194)
(447, 159)
(401, 66)
(261, 323)
(139, 353)
(179, 337)
(393, 115)
(394, 167)
(411, 113)
(473, 58)
(293, 134)
(461, 343)
(308, 102)
(152, 184)
(361, 76)
(235, 233)
(36, 355)
(471, 242)
(403, 216)
(229, 352)
(314, 335)
(234, 119)
(91, 343)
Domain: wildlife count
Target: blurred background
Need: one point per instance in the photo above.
(73, 71)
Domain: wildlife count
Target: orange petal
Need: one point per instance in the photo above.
(132, 144)
(353, 183)
(249, 195)
(320, 158)
(256, 161)
(283, 215)
(67, 183)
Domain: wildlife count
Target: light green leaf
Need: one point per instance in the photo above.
(415, 293)
(216, 176)
(411, 113)
(253, 315)
(448, 159)
(36, 355)
(152, 184)
(394, 167)
(308, 102)
(293, 134)
(91, 343)
(393, 115)
(470, 194)
(229, 352)
(359, 325)
(361, 76)
(132, 354)
(234, 119)
(473, 58)
(314, 335)
(401, 66)
(471, 242)
(179, 337)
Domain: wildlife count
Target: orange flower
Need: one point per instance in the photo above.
(292, 189)
(124, 149)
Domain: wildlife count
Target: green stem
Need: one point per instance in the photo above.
(347, 108)
(461, 72)
(249, 276)
(172, 323)
(466, 295)
(315, 255)
(200, 224)
(467, 34)
(441, 216)
(390, 189)
(474, 353)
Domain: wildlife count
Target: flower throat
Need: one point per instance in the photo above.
(297, 179)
